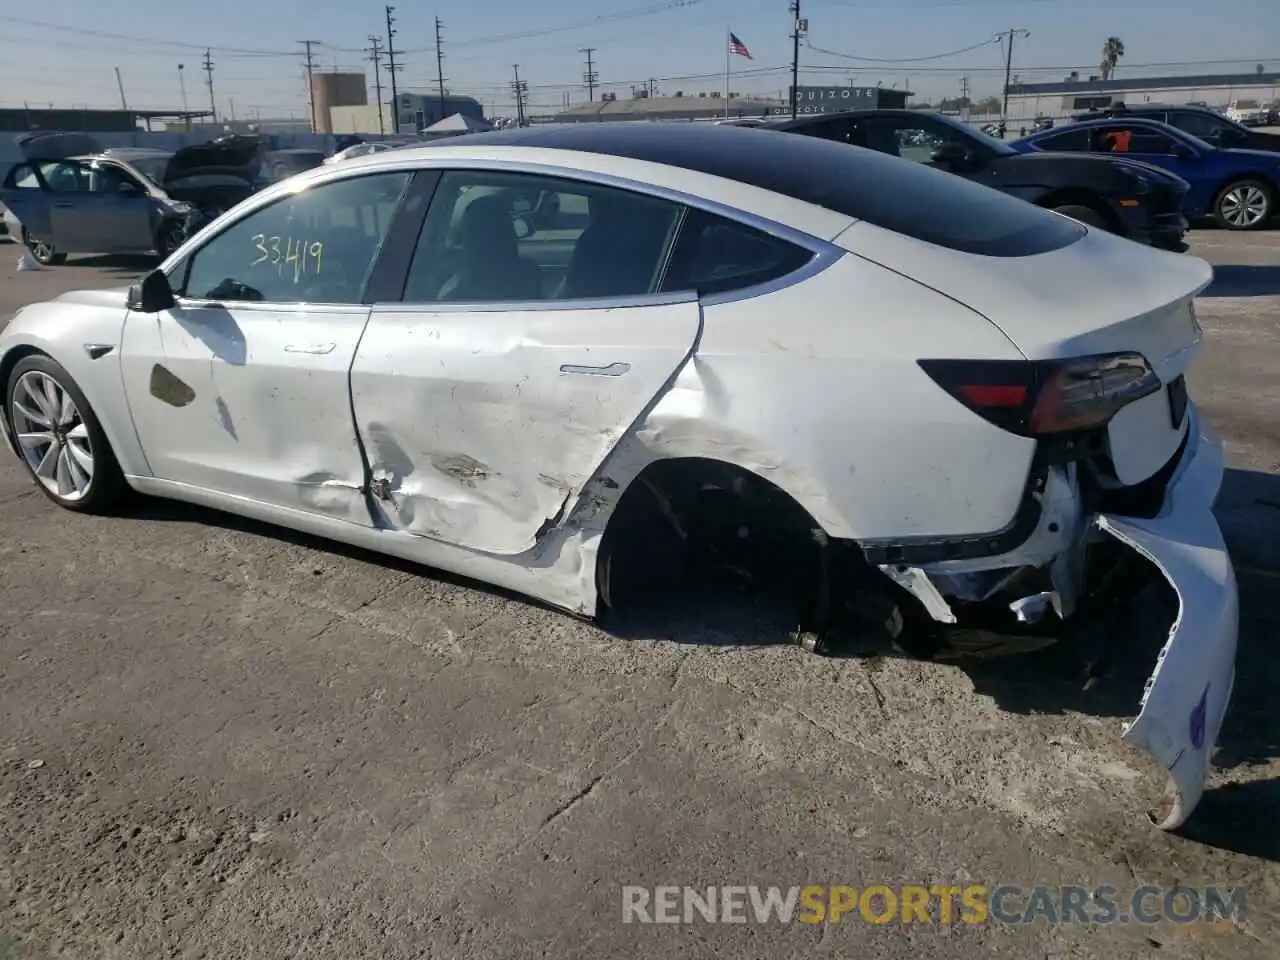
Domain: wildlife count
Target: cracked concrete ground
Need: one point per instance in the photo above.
(218, 739)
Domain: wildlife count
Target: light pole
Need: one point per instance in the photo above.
(182, 85)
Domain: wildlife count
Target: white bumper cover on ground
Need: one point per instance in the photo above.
(1187, 695)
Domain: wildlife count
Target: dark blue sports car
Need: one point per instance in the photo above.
(1238, 188)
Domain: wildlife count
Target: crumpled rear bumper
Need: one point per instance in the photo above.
(1187, 696)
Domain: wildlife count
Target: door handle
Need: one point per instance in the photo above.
(319, 348)
(608, 370)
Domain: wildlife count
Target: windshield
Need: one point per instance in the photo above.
(995, 145)
(151, 167)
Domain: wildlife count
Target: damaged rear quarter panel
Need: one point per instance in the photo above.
(816, 387)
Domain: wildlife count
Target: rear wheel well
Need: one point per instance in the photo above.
(694, 525)
(1082, 198)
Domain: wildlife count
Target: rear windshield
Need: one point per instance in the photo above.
(899, 195)
(950, 211)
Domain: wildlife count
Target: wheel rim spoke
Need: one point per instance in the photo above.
(81, 458)
(34, 441)
(31, 416)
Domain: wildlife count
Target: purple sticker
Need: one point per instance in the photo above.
(1198, 718)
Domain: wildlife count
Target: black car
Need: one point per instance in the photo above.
(1198, 121)
(1135, 200)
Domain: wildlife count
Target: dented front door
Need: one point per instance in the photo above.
(250, 399)
(481, 427)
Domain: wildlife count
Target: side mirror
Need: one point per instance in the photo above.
(151, 294)
(952, 155)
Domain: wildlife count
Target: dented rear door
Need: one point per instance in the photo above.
(482, 426)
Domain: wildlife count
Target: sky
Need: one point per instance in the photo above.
(66, 54)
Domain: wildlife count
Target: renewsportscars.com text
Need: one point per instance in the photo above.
(936, 904)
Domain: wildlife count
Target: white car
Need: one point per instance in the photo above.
(368, 148)
(527, 357)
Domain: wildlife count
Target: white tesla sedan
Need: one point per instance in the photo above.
(527, 356)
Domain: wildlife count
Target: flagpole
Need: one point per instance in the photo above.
(727, 54)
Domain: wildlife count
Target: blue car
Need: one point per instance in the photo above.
(1238, 188)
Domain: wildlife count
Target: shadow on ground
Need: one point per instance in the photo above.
(121, 265)
(1244, 280)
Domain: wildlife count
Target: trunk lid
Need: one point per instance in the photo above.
(1101, 294)
(239, 157)
(56, 145)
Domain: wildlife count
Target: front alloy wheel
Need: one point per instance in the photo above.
(1244, 205)
(59, 438)
(43, 251)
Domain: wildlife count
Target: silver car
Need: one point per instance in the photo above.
(69, 199)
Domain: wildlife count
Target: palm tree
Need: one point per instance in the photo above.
(1112, 51)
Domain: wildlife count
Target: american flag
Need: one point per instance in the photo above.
(738, 47)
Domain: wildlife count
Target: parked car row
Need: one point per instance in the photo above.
(70, 195)
(1129, 198)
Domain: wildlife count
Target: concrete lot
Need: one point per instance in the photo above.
(218, 739)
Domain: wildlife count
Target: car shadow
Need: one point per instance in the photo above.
(113, 264)
(1244, 280)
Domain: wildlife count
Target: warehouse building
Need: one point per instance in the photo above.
(1073, 94)
(679, 107)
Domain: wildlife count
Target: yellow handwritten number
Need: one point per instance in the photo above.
(276, 255)
(257, 243)
(316, 250)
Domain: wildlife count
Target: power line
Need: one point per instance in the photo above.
(375, 54)
(392, 68)
(521, 89)
(440, 66)
(936, 56)
(590, 78)
(799, 28)
(311, 87)
(1008, 68)
(86, 32)
(208, 73)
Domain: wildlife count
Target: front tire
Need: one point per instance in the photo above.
(59, 438)
(1086, 215)
(43, 252)
(1244, 205)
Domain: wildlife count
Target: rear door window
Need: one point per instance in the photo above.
(716, 255)
(1067, 140)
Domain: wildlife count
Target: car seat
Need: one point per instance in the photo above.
(619, 252)
(492, 268)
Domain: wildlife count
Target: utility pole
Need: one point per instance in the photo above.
(208, 74)
(964, 98)
(375, 54)
(799, 29)
(392, 67)
(440, 67)
(519, 88)
(124, 104)
(311, 90)
(590, 77)
(1009, 35)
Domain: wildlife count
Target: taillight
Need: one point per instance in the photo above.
(1035, 398)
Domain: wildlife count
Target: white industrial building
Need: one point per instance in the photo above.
(1073, 94)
